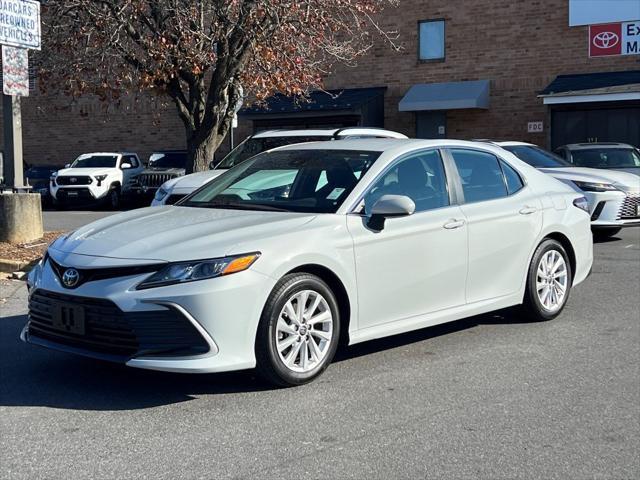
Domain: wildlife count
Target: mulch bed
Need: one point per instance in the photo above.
(27, 252)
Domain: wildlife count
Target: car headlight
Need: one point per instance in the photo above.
(182, 272)
(160, 194)
(100, 178)
(594, 187)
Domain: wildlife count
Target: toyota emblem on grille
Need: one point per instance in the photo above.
(73, 180)
(606, 40)
(70, 277)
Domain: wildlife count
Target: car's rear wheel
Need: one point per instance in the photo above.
(548, 281)
(605, 233)
(299, 330)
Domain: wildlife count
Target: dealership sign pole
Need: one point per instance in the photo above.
(19, 31)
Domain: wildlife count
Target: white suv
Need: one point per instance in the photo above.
(102, 177)
(177, 188)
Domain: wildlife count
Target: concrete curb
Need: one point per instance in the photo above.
(10, 266)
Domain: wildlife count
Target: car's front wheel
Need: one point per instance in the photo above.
(113, 198)
(298, 332)
(548, 281)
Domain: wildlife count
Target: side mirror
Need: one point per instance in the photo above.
(67, 165)
(212, 164)
(390, 206)
(125, 166)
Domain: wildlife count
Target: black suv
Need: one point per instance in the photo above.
(163, 165)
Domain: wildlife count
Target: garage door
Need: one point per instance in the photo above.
(617, 124)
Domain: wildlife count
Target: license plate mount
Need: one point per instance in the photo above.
(69, 318)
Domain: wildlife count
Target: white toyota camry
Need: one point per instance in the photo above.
(279, 259)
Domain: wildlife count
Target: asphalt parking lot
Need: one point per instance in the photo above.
(490, 397)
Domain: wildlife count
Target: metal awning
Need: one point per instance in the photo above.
(346, 99)
(446, 96)
(593, 87)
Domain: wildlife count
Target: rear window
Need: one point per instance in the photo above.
(537, 157)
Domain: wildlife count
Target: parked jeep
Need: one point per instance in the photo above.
(96, 177)
(163, 166)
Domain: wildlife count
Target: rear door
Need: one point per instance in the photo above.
(504, 217)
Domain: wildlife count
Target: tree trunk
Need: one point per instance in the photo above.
(201, 150)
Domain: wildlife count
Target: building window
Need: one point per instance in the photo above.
(431, 40)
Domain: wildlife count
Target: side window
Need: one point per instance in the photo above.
(420, 177)
(130, 159)
(480, 174)
(514, 182)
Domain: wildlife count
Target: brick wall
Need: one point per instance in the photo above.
(520, 46)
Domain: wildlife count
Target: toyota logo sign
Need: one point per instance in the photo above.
(70, 277)
(605, 40)
(610, 39)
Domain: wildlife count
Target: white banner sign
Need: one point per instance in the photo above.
(15, 71)
(20, 23)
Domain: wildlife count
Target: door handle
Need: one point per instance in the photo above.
(453, 224)
(528, 210)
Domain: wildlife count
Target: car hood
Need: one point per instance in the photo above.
(594, 175)
(194, 180)
(632, 170)
(175, 233)
(70, 172)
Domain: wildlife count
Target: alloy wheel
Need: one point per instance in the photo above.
(551, 280)
(304, 331)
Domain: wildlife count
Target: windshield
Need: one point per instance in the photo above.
(606, 158)
(168, 160)
(107, 161)
(537, 157)
(254, 146)
(316, 181)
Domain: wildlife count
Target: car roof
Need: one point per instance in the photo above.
(385, 144)
(514, 144)
(106, 153)
(330, 132)
(601, 145)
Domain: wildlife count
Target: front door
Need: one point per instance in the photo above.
(417, 264)
(431, 124)
(504, 218)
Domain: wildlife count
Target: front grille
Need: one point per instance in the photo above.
(109, 330)
(174, 198)
(95, 274)
(73, 180)
(82, 193)
(629, 208)
(154, 180)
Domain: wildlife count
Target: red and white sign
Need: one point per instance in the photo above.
(614, 39)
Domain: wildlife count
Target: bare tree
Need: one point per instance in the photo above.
(203, 54)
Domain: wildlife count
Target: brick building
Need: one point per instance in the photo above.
(467, 69)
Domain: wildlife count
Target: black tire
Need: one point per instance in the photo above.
(532, 307)
(269, 365)
(113, 198)
(605, 233)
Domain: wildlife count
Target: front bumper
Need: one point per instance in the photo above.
(79, 194)
(203, 326)
(613, 209)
